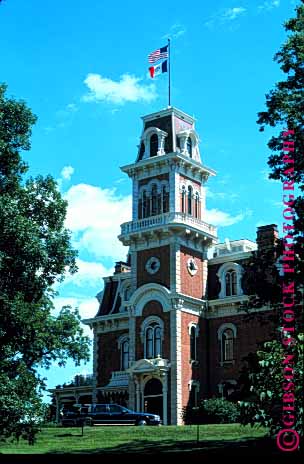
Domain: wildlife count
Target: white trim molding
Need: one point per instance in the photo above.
(147, 293)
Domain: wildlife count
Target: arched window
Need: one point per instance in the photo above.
(125, 355)
(165, 199)
(190, 200)
(226, 337)
(183, 199)
(227, 345)
(153, 341)
(154, 200)
(231, 283)
(189, 146)
(157, 342)
(230, 277)
(196, 207)
(149, 343)
(145, 204)
(141, 151)
(153, 145)
(193, 343)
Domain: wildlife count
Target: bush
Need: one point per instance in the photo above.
(212, 411)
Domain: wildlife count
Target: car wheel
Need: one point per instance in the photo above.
(142, 422)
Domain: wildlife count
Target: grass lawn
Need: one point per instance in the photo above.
(226, 438)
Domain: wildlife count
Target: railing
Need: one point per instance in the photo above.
(164, 219)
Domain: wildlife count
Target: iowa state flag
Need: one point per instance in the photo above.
(159, 69)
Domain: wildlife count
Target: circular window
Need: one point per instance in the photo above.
(192, 266)
(152, 265)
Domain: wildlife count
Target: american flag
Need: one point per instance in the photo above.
(159, 54)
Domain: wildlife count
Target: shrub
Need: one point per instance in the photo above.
(212, 411)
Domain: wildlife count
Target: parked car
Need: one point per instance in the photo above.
(108, 414)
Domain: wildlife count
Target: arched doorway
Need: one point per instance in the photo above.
(153, 397)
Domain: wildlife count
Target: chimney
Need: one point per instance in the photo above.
(121, 266)
(267, 237)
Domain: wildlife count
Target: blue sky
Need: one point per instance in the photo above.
(82, 67)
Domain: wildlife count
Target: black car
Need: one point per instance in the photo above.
(108, 414)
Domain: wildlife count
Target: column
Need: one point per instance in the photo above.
(137, 395)
(165, 398)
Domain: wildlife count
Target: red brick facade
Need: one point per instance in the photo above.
(162, 276)
(191, 285)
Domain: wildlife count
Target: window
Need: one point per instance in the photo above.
(149, 343)
(226, 338)
(196, 207)
(141, 151)
(230, 277)
(193, 343)
(153, 344)
(153, 145)
(183, 199)
(154, 200)
(125, 355)
(189, 146)
(231, 283)
(165, 199)
(190, 200)
(227, 345)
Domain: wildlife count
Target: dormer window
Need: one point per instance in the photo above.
(231, 282)
(189, 146)
(153, 145)
(230, 276)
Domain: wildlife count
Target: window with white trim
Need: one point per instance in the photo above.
(125, 355)
(230, 277)
(153, 341)
(226, 338)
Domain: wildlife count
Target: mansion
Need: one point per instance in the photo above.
(170, 329)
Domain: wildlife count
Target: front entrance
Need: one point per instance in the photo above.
(153, 397)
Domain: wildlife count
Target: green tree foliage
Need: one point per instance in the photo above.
(35, 253)
(285, 110)
(268, 385)
(212, 411)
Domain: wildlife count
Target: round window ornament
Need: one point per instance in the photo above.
(152, 265)
(192, 266)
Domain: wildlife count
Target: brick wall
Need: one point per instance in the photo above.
(191, 285)
(162, 276)
(250, 333)
(108, 356)
(189, 371)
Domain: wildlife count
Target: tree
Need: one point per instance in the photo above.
(267, 383)
(35, 253)
(285, 111)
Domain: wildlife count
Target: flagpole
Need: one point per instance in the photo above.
(169, 72)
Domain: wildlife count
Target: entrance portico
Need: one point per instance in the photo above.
(150, 377)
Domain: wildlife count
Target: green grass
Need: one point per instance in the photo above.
(127, 439)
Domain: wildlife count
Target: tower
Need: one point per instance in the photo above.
(168, 241)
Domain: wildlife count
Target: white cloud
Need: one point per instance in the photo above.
(94, 216)
(127, 89)
(232, 13)
(67, 172)
(222, 219)
(221, 195)
(89, 274)
(175, 31)
(269, 5)
(224, 16)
